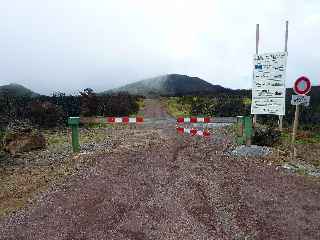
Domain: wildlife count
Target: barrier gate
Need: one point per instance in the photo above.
(193, 131)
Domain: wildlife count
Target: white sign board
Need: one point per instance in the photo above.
(268, 90)
(300, 99)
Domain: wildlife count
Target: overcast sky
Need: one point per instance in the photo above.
(67, 45)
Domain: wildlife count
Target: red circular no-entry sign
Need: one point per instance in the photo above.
(302, 85)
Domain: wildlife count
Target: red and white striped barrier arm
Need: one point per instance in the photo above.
(193, 120)
(125, 120)
(193, 132)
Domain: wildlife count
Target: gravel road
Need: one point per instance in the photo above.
(158, 185)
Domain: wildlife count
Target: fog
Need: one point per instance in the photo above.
(58, 45)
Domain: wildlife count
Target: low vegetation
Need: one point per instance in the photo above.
(53, 111)
(176, 107)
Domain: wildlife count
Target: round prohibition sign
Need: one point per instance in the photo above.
(302, 85)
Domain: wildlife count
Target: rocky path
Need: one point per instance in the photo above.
(157, 185)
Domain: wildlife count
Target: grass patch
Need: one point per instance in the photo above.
(141, 103)
(303, 137)
(97, 125)
(176, 108)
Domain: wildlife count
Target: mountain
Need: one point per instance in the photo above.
(14, 89)
(170, 85)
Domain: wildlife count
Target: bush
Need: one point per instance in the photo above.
(220, 106)
(52, 111)
(266, 137)
(89, 103)
(46, 114)
(120, 104)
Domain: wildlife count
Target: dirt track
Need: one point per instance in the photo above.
(157, 185)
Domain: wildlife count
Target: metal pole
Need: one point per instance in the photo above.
(295, 124)
(286, 37)
(75, 138)
(74, 124)
(280, 123)
(257, 52)
(286, 50)
(257, 39)
(248, 130)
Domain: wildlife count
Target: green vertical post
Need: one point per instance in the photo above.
(240, 130)
(244, 130)
(74, 124)
(248, 130)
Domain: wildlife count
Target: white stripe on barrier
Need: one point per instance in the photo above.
(118, 120)
(200, 119)
(132, 120)
(186, 120)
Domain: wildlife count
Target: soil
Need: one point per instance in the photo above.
(155, 184)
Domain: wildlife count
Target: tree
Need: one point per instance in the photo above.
(89, 103)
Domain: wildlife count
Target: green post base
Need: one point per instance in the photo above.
(75, 138)
(244, 130)
(74, 124)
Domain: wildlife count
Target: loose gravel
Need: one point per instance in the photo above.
(251, 151)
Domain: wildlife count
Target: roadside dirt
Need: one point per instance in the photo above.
(157, 185)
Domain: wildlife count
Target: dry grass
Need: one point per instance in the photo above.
(19, 185)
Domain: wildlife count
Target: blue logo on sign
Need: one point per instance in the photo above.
(258, 67)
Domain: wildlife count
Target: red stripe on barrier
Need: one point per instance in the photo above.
(111, 119)
(207, 119)
(139, 119)
(125, 119)
(193, 119)
(193, 132)
(180, 130)
(180, 119)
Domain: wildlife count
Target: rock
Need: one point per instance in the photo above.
(22, 137)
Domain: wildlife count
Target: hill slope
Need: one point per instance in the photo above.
(172, 84)
(16, 90)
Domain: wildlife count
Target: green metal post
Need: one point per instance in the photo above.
(74, 123)
(248, 130)
(240, 130)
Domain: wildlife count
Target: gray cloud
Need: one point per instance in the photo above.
(69, 45)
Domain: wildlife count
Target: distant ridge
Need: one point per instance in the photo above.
(170, 85)
(17, 90)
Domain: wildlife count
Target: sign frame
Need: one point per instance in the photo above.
(268, 90)
(300, 100)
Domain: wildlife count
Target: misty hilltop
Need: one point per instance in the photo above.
(17, 90)
(169, 85)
